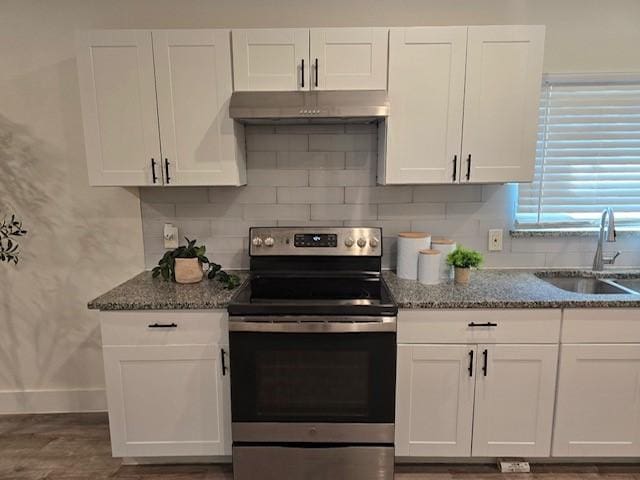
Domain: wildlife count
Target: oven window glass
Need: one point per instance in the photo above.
(293, 377)
(295, 383)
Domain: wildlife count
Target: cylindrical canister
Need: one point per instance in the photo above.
(429, 266)
(409, 244)
(446, 246)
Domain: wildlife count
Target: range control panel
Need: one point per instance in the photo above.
(338, 241)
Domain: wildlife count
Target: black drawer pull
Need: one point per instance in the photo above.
(223, 354)
(488, 324)
(485, 354)
(163, 325)
(469, 167)
(471, 363)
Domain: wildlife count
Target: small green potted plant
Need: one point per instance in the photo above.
(188, 264)
(463, 260)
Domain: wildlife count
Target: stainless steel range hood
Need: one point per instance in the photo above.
(309, 107)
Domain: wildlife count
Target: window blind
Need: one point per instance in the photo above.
(587, 157)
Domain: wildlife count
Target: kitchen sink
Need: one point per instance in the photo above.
(630, 283)
(588, 285)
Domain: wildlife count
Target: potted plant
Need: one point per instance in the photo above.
(463, 260)
(188, 264)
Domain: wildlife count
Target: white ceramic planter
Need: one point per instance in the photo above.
(188, 270)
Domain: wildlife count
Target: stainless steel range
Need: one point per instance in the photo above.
(313, 357)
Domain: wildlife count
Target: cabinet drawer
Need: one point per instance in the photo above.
(165, 327)
(601, 325)
(455, 326)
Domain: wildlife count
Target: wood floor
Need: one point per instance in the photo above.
(76, 447)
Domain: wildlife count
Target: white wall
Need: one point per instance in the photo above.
(84, 240)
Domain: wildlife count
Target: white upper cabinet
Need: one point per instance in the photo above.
(426, 89)
(155, 108)
(464, 104)
(434, 400)
(504, 72)
(193, 81)
(290, 59)
(271, 59)
(117, 90)
(515, 395)
(598, 410)
(349, 58)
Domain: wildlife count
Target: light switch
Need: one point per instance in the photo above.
(495, 240)
(170, 236)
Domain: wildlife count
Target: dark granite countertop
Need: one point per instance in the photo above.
(487, 289)
(506, 289)
(143, 292)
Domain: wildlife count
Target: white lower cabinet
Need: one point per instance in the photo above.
(515, 395)
(434, 401)
(598, 411)
(457, 397)
(168, 398)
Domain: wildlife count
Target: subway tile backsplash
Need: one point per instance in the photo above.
(325, 175)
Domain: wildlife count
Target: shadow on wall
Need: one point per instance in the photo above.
(36, 319)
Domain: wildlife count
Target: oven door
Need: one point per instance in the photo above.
(307, 382)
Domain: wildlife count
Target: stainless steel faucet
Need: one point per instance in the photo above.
(599, 260)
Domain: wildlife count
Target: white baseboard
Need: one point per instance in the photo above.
(53, 401)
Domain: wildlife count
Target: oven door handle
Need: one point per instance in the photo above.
(388, 324)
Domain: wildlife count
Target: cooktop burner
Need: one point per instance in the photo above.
(309, 271)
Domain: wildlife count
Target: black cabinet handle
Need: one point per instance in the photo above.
(455, 168)
(153, 170)
(469, 167)
(224, 364)
(302, 74)
(163, 325)
(485, 354)
(316, 69)
(166, 171)
(471, 363)
(488, 324)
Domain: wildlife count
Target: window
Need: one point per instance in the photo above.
(588, 155)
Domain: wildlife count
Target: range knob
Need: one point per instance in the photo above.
(257, 241)
(269, 241)
(374, 242)
(349, 242)
(362, 242)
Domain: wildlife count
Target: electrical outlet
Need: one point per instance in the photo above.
(495, 240)
(170, 236)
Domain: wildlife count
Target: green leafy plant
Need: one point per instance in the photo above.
(464, 258)
(167, 265)
(10, 230)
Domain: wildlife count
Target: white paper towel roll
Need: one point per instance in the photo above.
(429, 266)
(445, 246)
(409, 244)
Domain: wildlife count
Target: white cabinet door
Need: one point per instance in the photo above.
(515, 394)
(598, 411)
(193, 77)
(271, 59)
(349, 58)
(434, 404)
(167, 400)
(426, 91)
(118, 97)
(504, 75)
